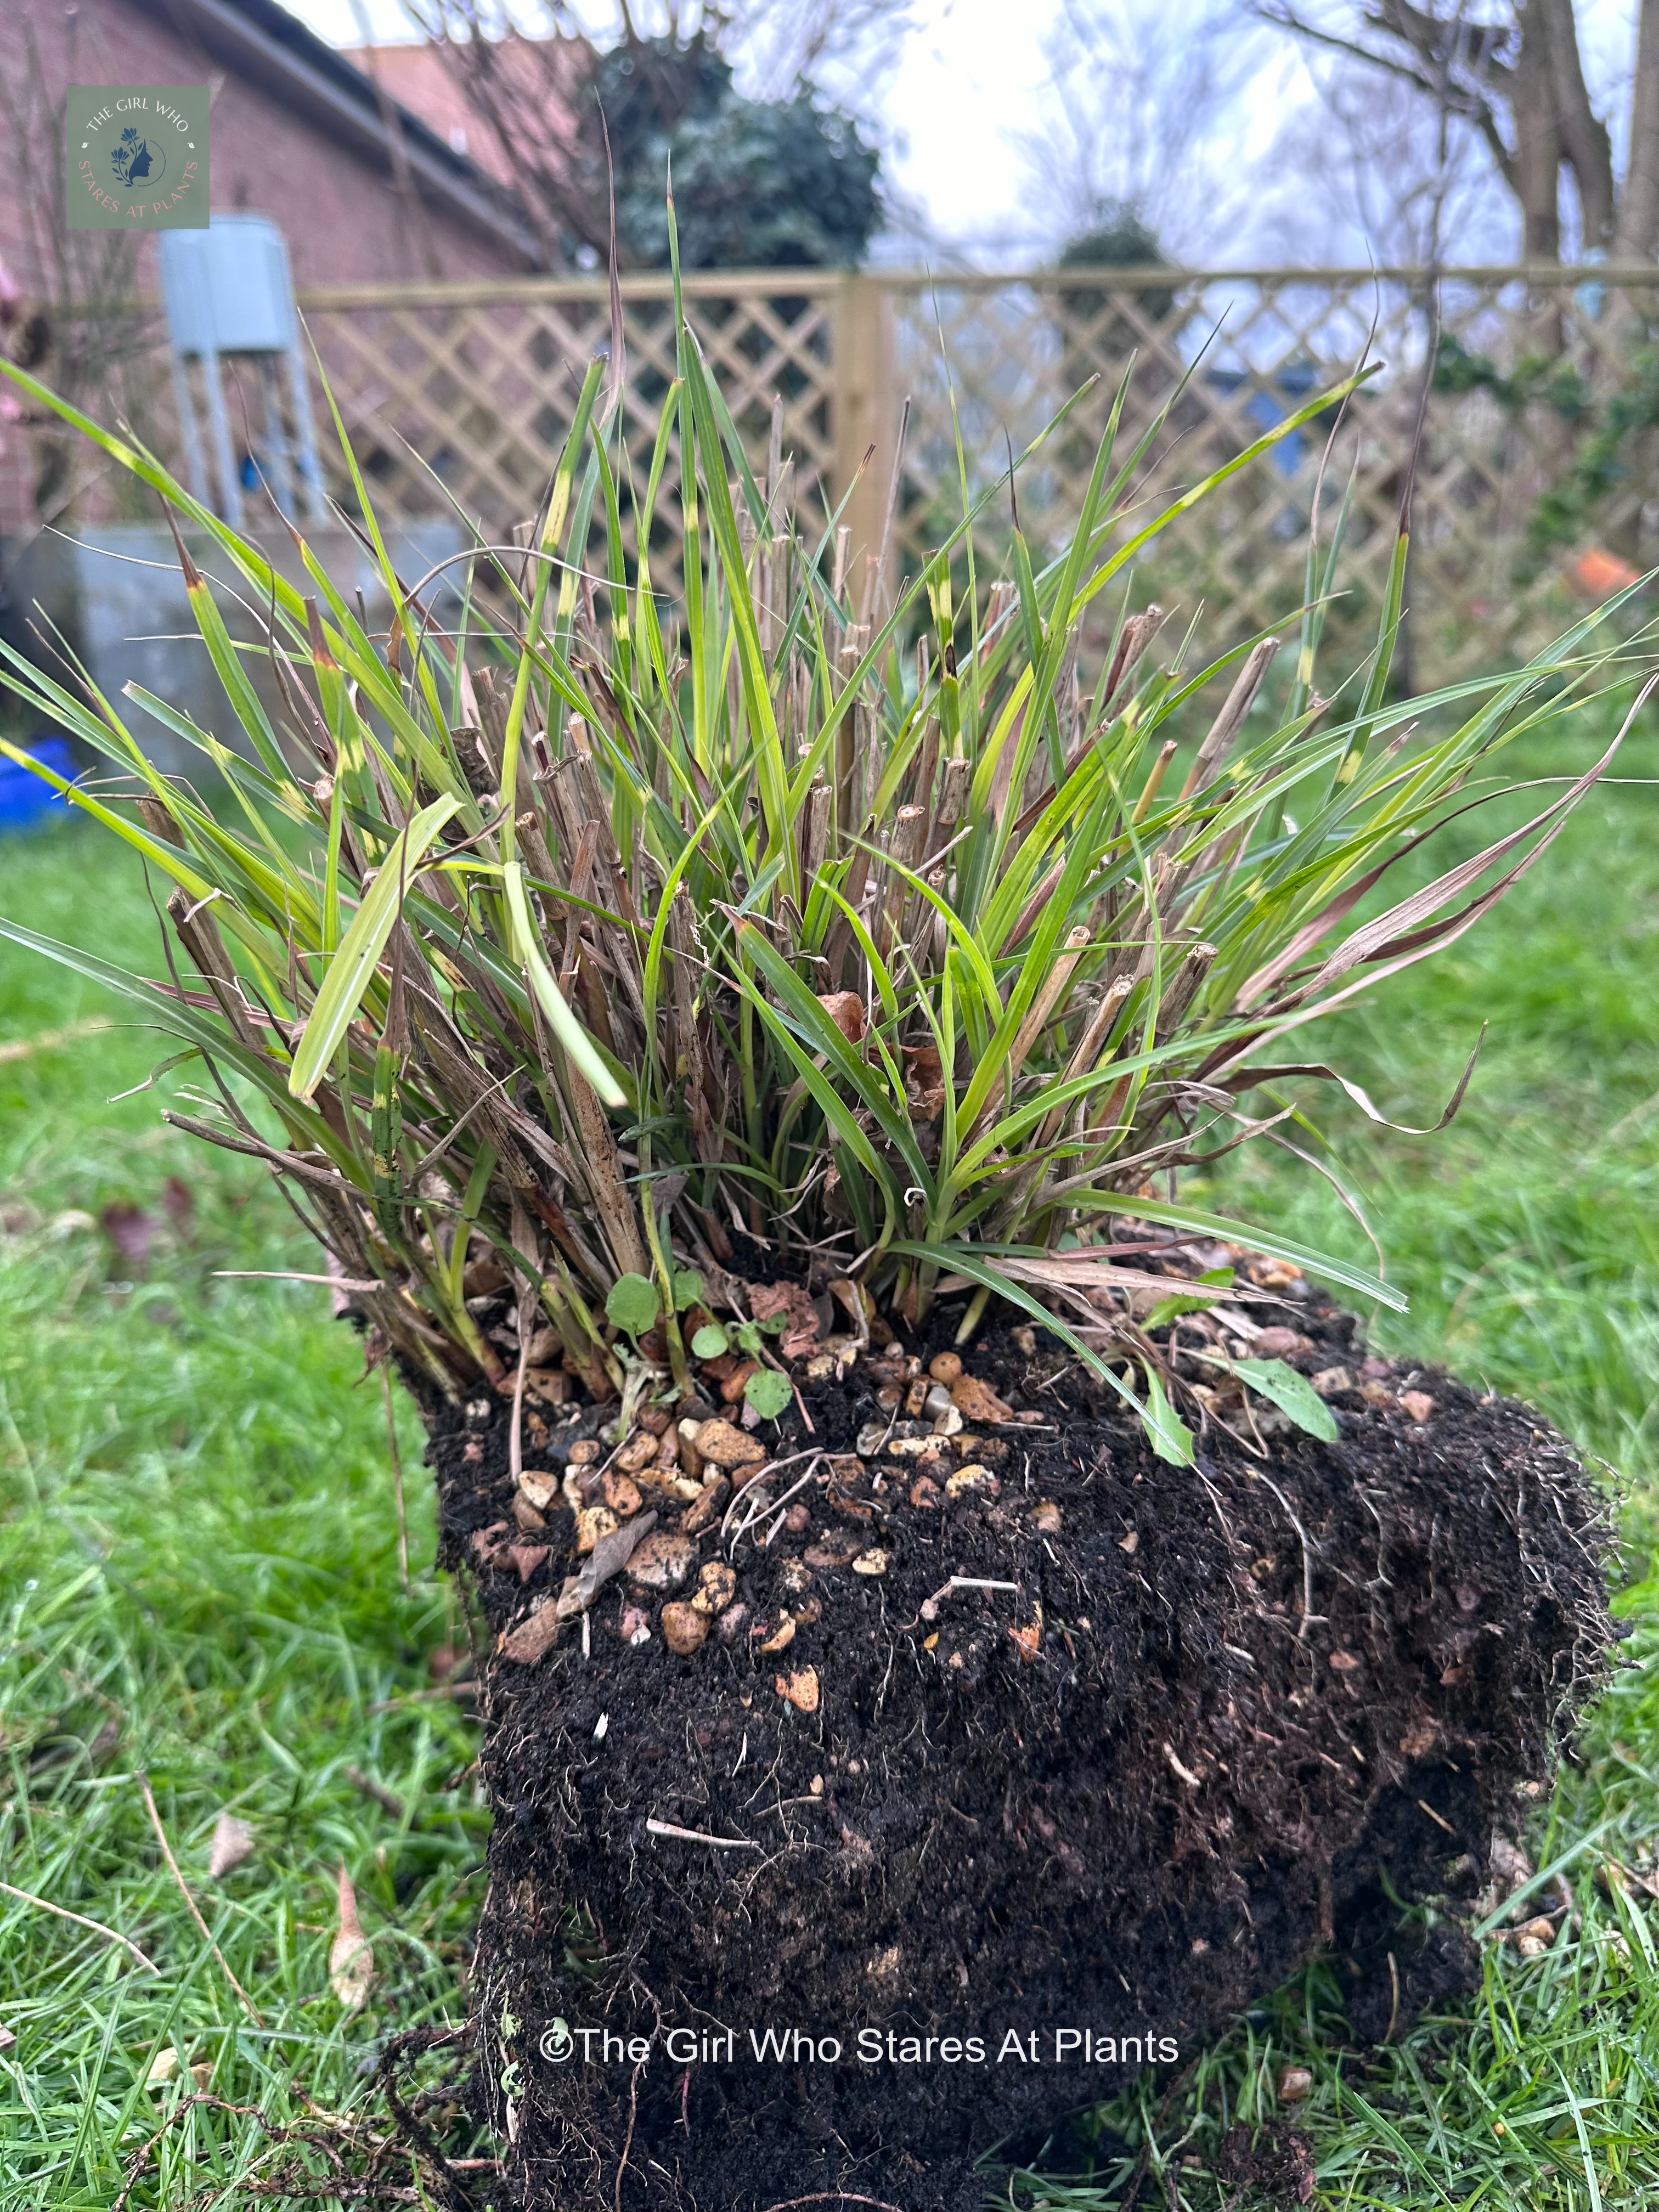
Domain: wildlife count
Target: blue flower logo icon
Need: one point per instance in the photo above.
(136, 160)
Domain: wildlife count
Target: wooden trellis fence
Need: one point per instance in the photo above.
(461, 393)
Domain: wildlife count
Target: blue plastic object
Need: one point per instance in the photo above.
(25, 802)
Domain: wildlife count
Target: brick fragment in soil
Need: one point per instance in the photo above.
(1131, 1792)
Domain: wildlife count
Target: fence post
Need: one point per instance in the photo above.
(867, 415)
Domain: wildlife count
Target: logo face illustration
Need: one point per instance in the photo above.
(137, 162)
(136, 156)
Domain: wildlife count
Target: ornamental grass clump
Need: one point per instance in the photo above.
(585, 934)
(740, 1054)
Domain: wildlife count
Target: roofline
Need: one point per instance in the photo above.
(319, 83)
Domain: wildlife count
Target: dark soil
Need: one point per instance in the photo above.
(1125, 1797)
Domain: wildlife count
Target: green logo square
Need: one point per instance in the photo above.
(138, 156)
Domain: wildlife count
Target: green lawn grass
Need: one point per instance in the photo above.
(198, 1569)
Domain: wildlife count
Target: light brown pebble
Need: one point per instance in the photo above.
(684, 1629)
(1542, 1931)
(592, 1522)
(1024, 1340)
(872, 1562)
(780, 1638)
(945, 1366)
(733, 1388)
(1418, 1404)
(727, 1445)
(717, 1585)
(801, 1690)
(1531, 1947)
(639, 1451)
(1294, 2083)
(799, 1518)
(708, 1503)
(1046, 1517)
(622, 1496)
(1279, 1343)
(925, 1494)
(977, 1402)
(584, 1452)
(794, 1577)
(1331, 1381)
(1345, 1662)
(1131, 1543)
(730, 1626)
(663, 1561)
(838, 1548)
(542, 1490)
(972, 1482)
(524, 1513)
(1377, 1394)
(635, 1625)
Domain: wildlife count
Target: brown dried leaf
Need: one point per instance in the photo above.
(846, 1010)
(536, 1635)
(350, 1955)
(234, 1844)
(768, 1300)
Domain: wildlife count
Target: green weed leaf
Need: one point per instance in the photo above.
(1171, 1437)
(767, 1392)
(710, 1342)
(633, 1304)
(1293, 1394)
(688, 1288)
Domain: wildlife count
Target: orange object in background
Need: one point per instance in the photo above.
(1598, 573)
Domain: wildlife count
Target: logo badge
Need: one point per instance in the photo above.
(138, 156)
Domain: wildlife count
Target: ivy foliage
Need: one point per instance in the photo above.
(757, 184)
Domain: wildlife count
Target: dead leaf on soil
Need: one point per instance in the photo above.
(351, 1956)
(768, 1300)
(536, 1635)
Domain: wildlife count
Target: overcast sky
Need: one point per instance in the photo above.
(976, 111)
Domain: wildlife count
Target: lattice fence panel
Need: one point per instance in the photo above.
(459, 397)
(454, 401)
(1223, 360)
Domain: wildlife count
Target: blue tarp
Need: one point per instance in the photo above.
(27, 803)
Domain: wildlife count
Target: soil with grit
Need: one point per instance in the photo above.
(1219, 1711)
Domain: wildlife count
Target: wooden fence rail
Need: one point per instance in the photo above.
(458, 396)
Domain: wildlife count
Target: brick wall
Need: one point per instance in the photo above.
(345, 220)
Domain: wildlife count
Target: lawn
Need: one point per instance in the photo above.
(202, 1588)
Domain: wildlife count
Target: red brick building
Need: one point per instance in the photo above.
(365, 189)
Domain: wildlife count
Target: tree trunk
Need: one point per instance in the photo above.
(1638, 229)
(1537, 138)
(1584, 137)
